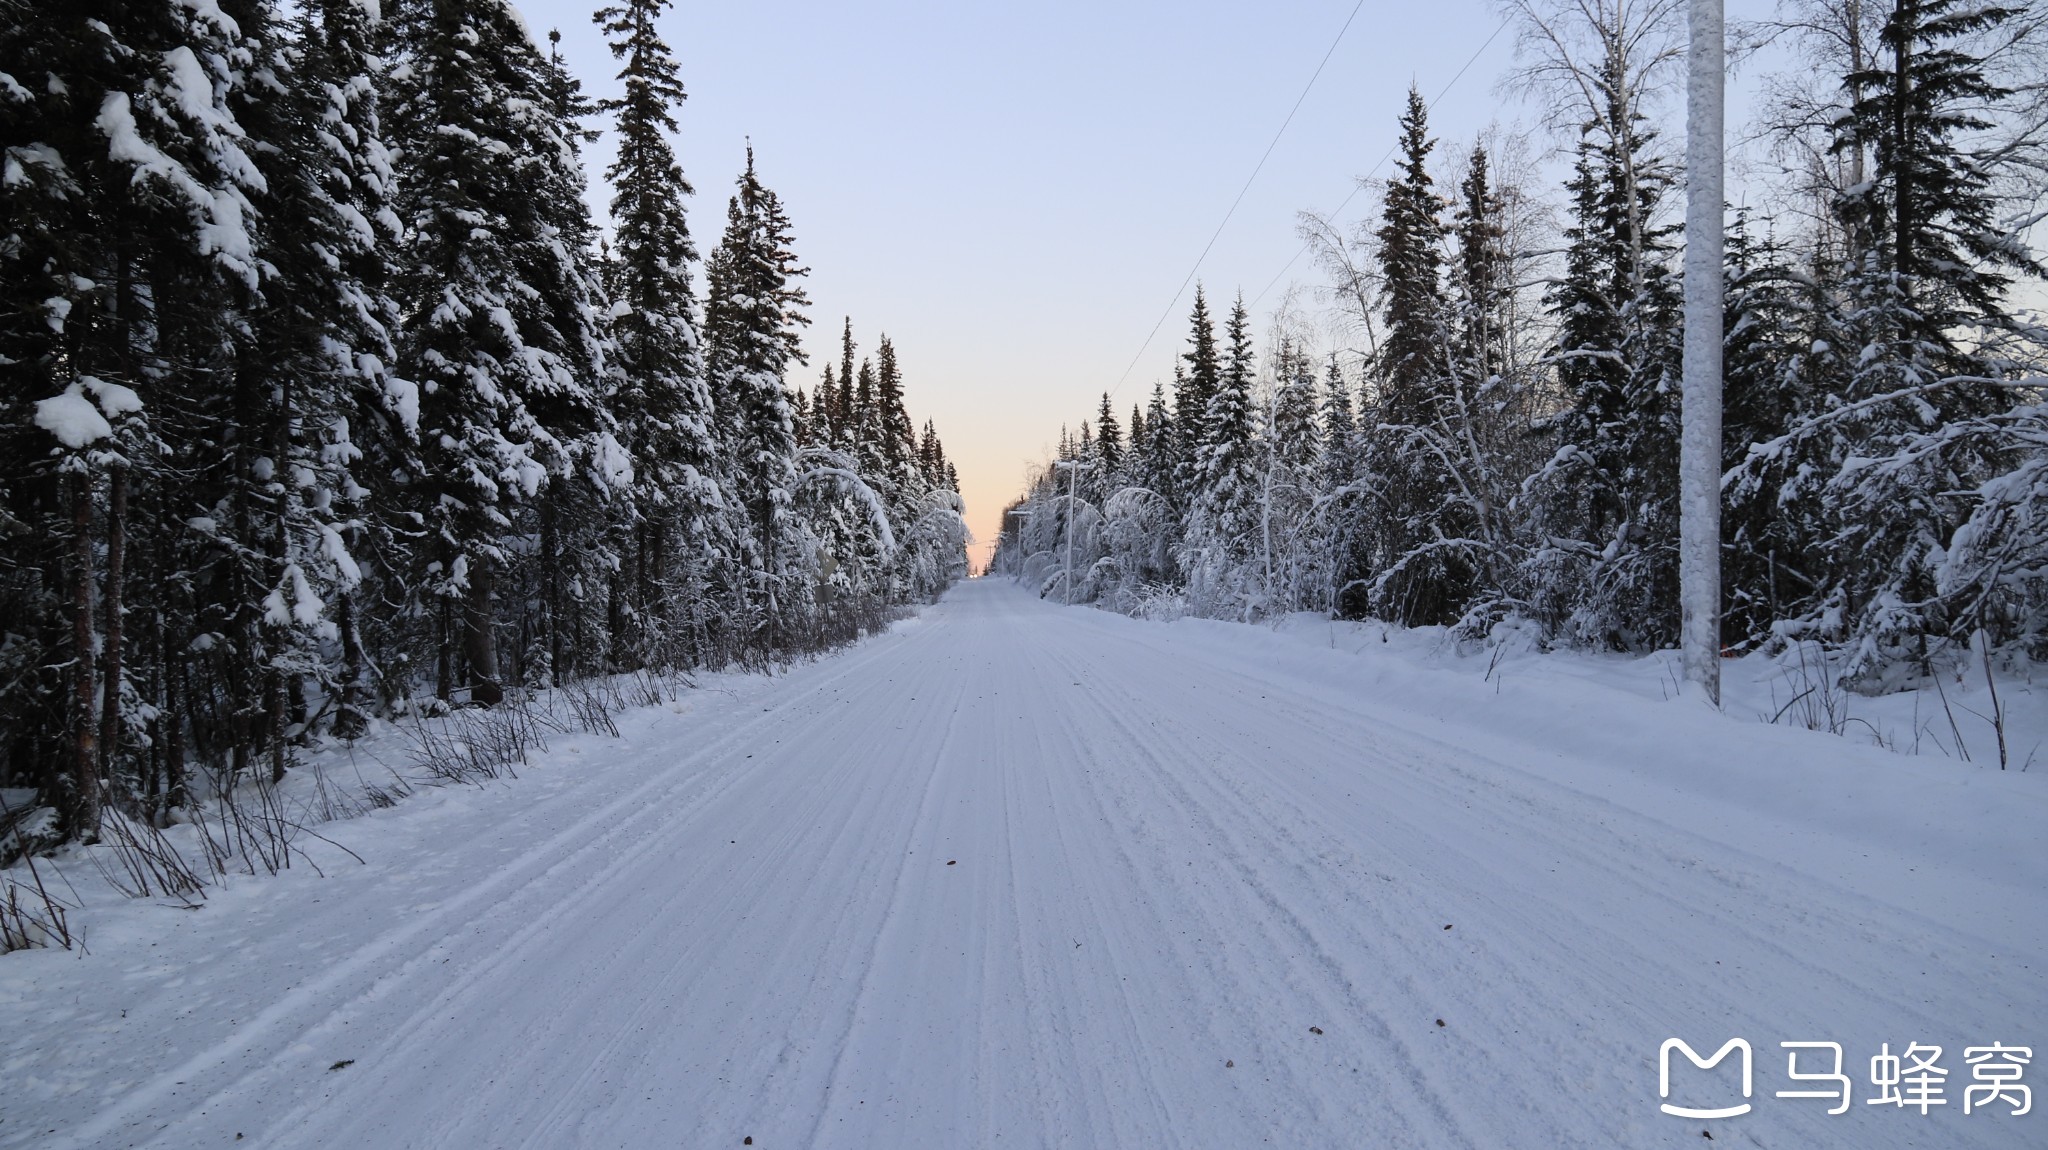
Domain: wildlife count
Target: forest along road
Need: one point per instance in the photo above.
(1014, 874)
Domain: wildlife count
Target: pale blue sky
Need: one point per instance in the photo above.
(1013, 192)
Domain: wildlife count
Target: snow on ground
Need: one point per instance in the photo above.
(1958, 717)
(1014, 874)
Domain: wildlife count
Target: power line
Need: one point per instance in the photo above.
(1359, 185)
(1256, 169)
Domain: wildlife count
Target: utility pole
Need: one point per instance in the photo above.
(1699, 452)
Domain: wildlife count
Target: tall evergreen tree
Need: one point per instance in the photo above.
(1194, 383)
(867, 421)
(1347, 559)
(500, 327)
(1774, 552)
(1483, 274)
(1421, 579)
(753, 321)
(1935, 267)
(1224, 519)
(1109, 441)
(897, 435)
(1411, 359)
(309, 354)
(339, 62)
(129, 261)
(845, 417)
(1607, 499)
(1159, 466)
(667, 418)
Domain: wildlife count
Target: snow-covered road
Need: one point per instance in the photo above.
(1014, 875)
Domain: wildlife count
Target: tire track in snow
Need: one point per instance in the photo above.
(1087, 869)
(1748, 888)
(899, 893)
(1159, 868)
(618, 817)
(1547, 819)
(1169, 758)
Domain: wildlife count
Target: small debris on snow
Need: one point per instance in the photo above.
(747, 1141)
(1439, 1022)
(950, 862)
(1447, 926)
(1315, 1030)
(343, 1064)
(1227, 1064)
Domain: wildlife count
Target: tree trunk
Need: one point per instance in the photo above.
(480, 638)
(110, 658)
(350, 721)
(171, 649)
(551, 587)
(280, 691)
(82, 800)
(444, 652)
(1906, 20)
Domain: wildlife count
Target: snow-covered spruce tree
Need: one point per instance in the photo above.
(377, 435)
(272, 572)
(1607, 575)
(666, 416)
(1422, 532)
(898, 436)
(127, 252)
(845, 496)
(1158, 466)
(1139, 505)
(1109, 445)
(1195, 381)
(1490, 394)
(567, 587)
(864, 580)
(1778, 357)
(931, 455)
(816, 429)
(800, 414)
(500, 330)
(939, 536)
(890, 471)
(866, 424)
(1341, 502)
(1224, 514)
(1927, 311)
(1481, 276)
(752, 322)
(842, 420)
(58, 69)
(924, 508)
(1605, 503)
(1290, 532)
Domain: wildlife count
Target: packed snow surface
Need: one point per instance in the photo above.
(1014, 874)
